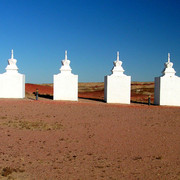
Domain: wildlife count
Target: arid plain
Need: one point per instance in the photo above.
(88, 139)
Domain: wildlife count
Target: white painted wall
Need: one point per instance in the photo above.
(117, 89)
(12, 85)
(167, 91)
(65, 87)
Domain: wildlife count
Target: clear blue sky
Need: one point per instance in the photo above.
(39, 31)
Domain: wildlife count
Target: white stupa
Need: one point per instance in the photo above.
(11, 67)
(65, 68)
(118, 69)
(117, 86)
(12, 82)
(167, 86)
(65, 84)
(168, 70)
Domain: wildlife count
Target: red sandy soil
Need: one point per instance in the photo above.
(88, 140)
(96, 95)
(30, 88)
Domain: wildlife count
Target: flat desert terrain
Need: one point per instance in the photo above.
(87, 140)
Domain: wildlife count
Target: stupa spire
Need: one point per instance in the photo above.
(168, 57)
(12, 55)
(117, 55)
(117, 69)
(11, 67)
(65, 68)
(66, 55)
(168, 70)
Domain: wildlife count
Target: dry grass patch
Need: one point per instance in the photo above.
(90, 87)
(38, 125)
(3, 117)
(8, 170)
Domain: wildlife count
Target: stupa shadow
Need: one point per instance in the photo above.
(92, 99)
(137, 102)
(47, 96)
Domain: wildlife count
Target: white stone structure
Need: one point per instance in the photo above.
(117, 86)
(167, 86)
(65, 84)
(12, 83)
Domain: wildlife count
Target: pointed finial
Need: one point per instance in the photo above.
(168, 57)
(66, 55)
(12, 55)
(117, 55)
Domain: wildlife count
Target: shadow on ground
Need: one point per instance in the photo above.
(92, 99)
(47, 96)
(136, 102)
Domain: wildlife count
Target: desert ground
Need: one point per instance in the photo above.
(88, 139)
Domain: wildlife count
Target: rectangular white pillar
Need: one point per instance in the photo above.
(117, 89)
(65, 87)
(167, 91)
(12, 85)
